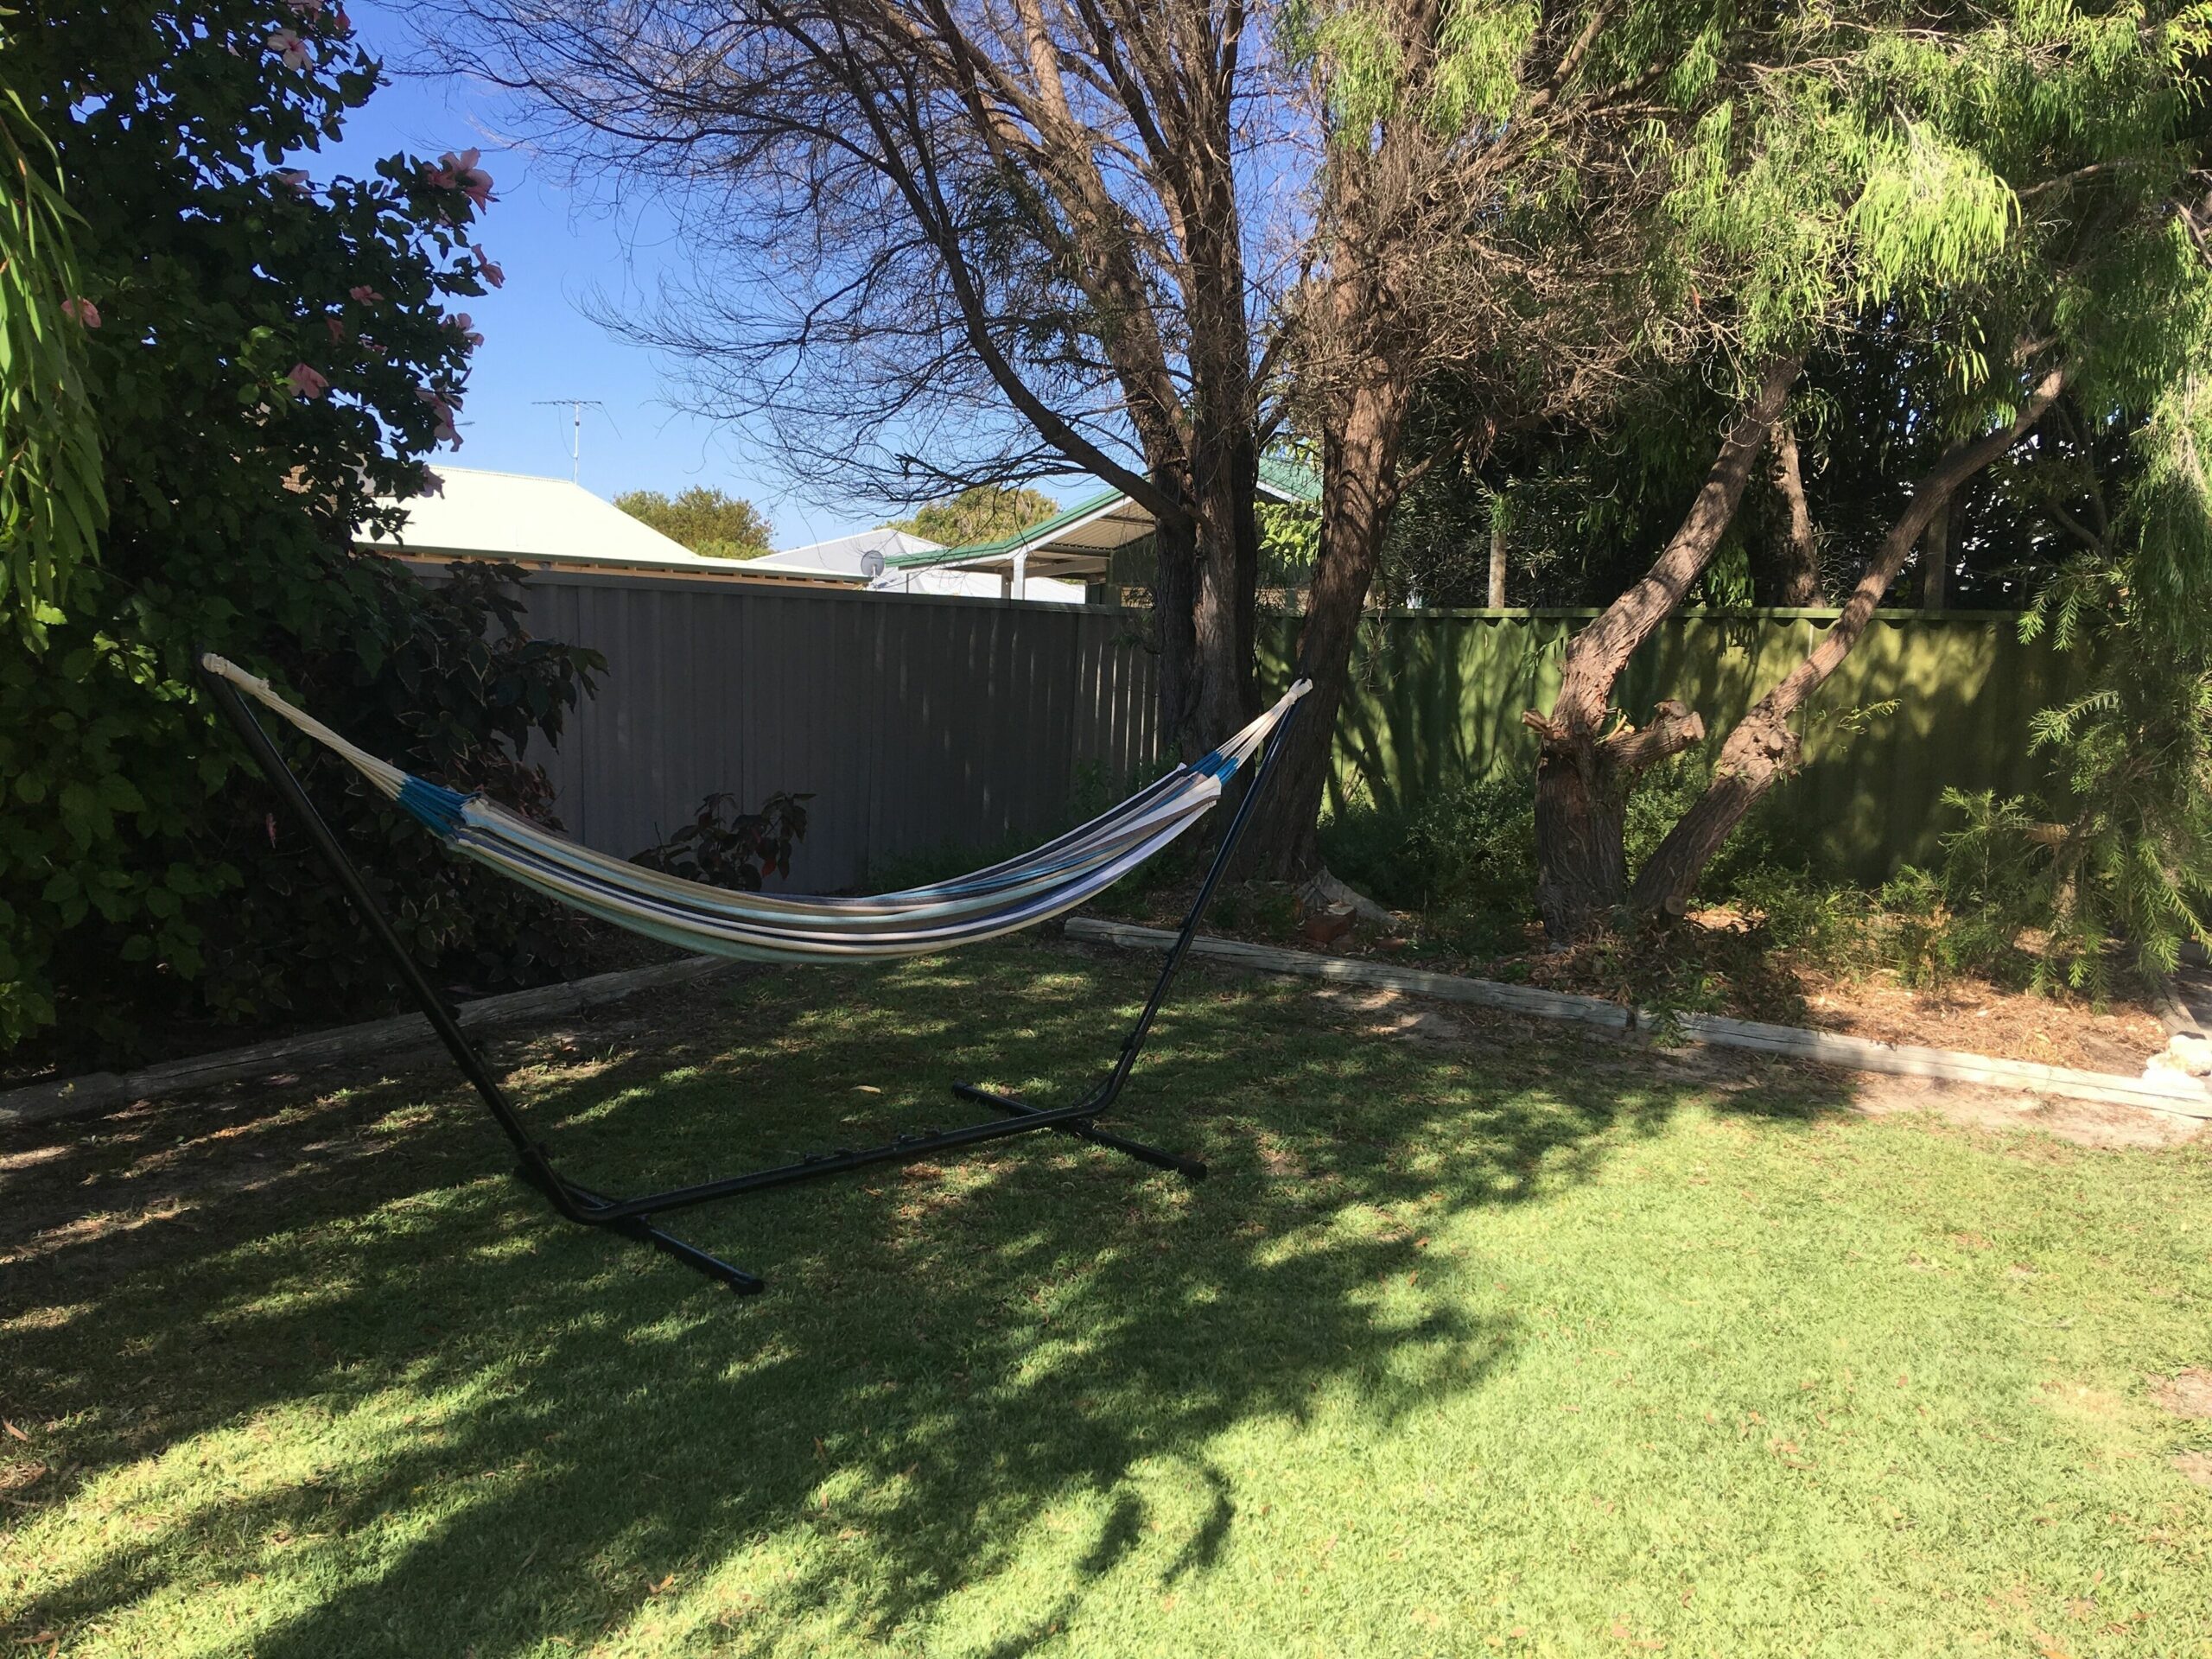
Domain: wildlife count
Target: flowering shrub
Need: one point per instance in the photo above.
(268, 350)
(725, 846)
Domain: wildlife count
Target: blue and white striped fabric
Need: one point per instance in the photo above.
(764, 927)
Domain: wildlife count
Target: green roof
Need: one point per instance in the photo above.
(1280, 479)
(1044, 531)
(1291, 482)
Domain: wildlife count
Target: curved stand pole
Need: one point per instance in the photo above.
(633, 1217)
(1132, 1045)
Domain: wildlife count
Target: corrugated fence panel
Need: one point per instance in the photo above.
(915, 723)
(1924, 703)
(920, 722)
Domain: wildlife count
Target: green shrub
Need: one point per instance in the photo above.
(1463, 859)
(275, 353)
(1824, 920)
(1476, 841)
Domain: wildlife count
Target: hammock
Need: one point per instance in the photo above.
(763, 927)
(1021, 893)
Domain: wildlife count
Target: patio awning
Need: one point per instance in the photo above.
(1078, 544)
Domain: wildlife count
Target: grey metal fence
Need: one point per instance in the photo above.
(919, 722)
(915, 722)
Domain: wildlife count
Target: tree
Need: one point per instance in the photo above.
(705, 520)
(1853, 187)
(274, 352)
(945, 247)
(1479, 265)
(985, 513)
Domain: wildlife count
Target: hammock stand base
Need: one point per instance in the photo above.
(634, 1217)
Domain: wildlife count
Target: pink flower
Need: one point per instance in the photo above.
(288, 46)
(295, 180)
(490, 272)
(340, 21)
(304, 8)
(364, 295)
(460, 323)
(337, 329)
(306, 383)
(82, 312)
(443, 409)
(461, 173)
(429, 484)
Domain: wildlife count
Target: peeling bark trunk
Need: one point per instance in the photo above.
(1801, 552)
(1764, 748)
(1359, 489)
(1583, 774)
(1228, 565)
(1935, 556)
(1495, 596)
(1174, 605)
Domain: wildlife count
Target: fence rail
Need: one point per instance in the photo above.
(918, 722)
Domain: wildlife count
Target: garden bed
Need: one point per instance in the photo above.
(1718, 961)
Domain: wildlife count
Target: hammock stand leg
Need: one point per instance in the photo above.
(1133, 1045)
(575, 1203)
(633, 1217)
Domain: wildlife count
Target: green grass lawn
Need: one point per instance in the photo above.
(1514, 1345)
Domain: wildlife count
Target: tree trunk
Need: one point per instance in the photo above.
(1495, 597)
(1583, 775)
(1359, 488)
(1764, 748)
(1228, 568)
(1935, 558)
(1801, 553)
(1174, 606)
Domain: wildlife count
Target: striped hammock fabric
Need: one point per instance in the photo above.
(763, 927)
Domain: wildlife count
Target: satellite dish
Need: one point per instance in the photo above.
(872, 563)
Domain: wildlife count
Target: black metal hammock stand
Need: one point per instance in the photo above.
(638, 1217)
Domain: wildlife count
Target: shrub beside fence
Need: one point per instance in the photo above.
(1439, 694)
(920, 722)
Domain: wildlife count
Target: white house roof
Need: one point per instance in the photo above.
(849, 554)
(515, 516)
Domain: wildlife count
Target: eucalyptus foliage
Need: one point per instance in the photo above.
(704, 519)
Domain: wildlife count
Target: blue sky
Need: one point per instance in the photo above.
(558, 252)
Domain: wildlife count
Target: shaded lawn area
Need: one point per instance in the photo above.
(1507, 1345)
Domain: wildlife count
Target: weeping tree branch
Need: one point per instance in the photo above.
(1583, 775)
(1763, 748)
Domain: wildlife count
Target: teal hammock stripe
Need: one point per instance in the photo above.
(1004, 897)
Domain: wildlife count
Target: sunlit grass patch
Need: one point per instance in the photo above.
(1453, 1345)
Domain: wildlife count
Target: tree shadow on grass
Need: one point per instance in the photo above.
(502, 1430)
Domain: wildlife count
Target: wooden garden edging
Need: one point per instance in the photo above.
(100, 1091)
(2176, 1097)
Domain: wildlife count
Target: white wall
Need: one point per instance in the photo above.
(974, 584)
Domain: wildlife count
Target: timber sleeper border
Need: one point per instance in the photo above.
(2175, 1096)
(101, 1091)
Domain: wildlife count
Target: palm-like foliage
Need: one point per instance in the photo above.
(52, 504)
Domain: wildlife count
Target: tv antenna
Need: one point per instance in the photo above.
(576, 407)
